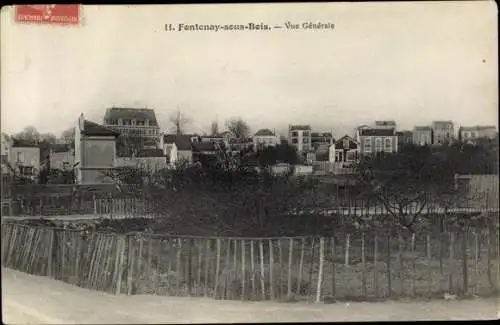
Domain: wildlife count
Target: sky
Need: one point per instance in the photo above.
(412, 62)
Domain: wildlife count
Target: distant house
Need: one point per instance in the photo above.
(358, 131)
(321, 141)
(95, 151)
(24, 158)
(344, 151)
(264, 138)
(61, 156)
(404, 138)
(6, 145)
(205, 152)
(151, 160)
(137, 127)
(299, 136)
(442, 132)
(374, 141)
(177, 148)
(422, 135)
(472, 133)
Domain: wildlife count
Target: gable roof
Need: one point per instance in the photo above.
(21, 143)
(377, 132)
(204, 146)
(139, 114)
(264, 132)
(321, 135)
(182, 142)
(339, 144)
(92, 128)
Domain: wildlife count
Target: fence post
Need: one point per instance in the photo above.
(262, 274)
(95, 203)
(321, 263)
(217, 268)
(347, 244)
(464, 260)
(451, 262)
(243, 271)
(252, 268)
(271, 266)
(301, 265)
(50, 271)
(290, 256)
(121, 253)
(363, 263)
(413, 258)
(389, 270)
(375, 262)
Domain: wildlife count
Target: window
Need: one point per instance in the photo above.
(350, 156)
(378, 144)
(368, 144)
(473, 135)
(346, 143)
(295, 141)
(388, 145)
(305, 133)
(295, 134)
(139, 123)
(305, 140)
(466, 135)
(19, 157)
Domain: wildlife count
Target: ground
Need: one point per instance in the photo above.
(31, 299)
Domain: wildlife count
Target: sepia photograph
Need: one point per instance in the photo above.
(249, 163)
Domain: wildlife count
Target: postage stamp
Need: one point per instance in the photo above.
(57, 14)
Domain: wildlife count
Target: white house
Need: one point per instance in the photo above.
(24, 158)
(177, 148)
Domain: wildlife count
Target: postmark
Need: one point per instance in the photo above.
(55, 14)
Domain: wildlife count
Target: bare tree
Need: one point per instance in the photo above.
(48, 138)
(179, 121)
(214, 128)
(29, 133)
(68, 136)
(238, 127)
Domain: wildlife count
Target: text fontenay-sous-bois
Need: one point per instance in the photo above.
(181, 27)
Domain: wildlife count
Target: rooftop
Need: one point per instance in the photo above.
(21, 143)
(422, 128)
(300, 127)
(264, 132)
(139, 114)
(377, 132)
(203, 146)
(92, 128)
(477, 127)
(182, 142)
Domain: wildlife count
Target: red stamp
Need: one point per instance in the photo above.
(48, 14)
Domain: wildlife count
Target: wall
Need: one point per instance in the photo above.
(264, 141)
(62, 160)
(185, 155)
(98, 152)
(422, 137)
(302, 170)
(150, 163)
(394, 144)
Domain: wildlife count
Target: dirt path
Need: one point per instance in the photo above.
(38, 300)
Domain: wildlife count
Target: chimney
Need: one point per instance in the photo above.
(81, 120)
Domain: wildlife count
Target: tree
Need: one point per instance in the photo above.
(238, 127)
(179, 121)
(68, 136)
(282, 153)
(214, 128)
(48, 138)
(29, 133)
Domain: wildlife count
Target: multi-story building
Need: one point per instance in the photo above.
(471, 133)
(373, 141)
(299, 136)
(422, 135)
(404, 138)
(442, 132)
(321, 141)
(138, 128)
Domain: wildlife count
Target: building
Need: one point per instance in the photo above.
(138, 127)
(95, 151)
(321, 141)
(422, 135)
(299, 136)
(61, 156)
(344, 151)
(152, 160)
(471, 133)
(385, 125)
(374, 141)
(24, 159)
(5, 146)
(264, 138)
(177, 148)
(404, 138)
(442, 132)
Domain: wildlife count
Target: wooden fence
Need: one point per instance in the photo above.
(351, 266)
